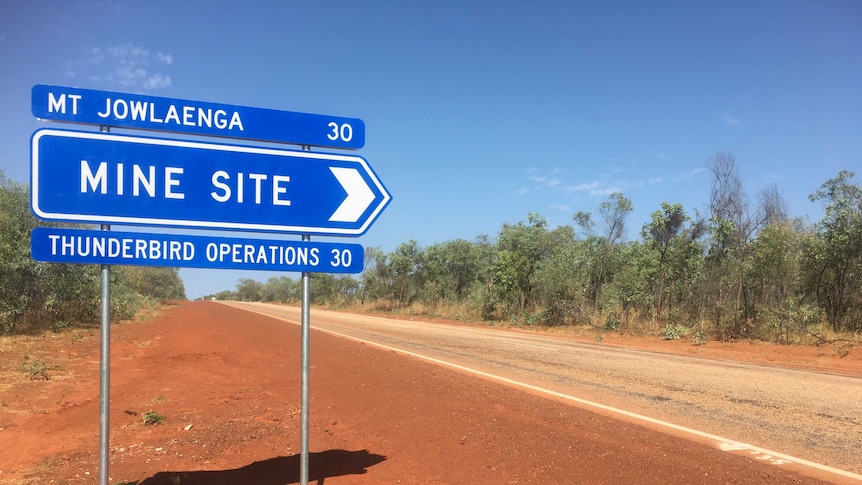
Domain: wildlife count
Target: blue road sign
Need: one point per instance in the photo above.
(82, 246)
(74, 105)
(109, 178)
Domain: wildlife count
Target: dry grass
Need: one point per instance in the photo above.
(634, 325)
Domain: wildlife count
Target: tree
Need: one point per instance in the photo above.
(155, 282)
(772, 205)
(36, 295)
(322, 288)
(838, 254)
(371, 287)
(733, 228)
(249, 290)
(450, 270)
(774, 276)
(520, 249)
(632, 288)
(562, 278)
(664, 228)
(613, 213)
(281, 289)
(437, 283)
(405, 266)
(20, 275)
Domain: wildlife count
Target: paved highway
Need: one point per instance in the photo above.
(779, 415)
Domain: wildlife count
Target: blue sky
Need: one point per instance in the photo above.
(478, 113)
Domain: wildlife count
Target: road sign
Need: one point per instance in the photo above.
(108, 178)
(74, 105)
(58, 245)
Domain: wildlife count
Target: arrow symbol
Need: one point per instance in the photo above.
(359, 195)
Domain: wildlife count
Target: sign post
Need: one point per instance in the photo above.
(104, 371)
(305, 391)
(104, 365)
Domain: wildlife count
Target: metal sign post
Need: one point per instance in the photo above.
(105, 365)
(306, 323)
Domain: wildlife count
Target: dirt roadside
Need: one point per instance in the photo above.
(227, 383)
(834, 357)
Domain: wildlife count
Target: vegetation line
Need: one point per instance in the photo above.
(740, 270)
(36, 296)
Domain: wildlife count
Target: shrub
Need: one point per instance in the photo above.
(613, 322)
(152, 417)
(671, 332)
(37, 369)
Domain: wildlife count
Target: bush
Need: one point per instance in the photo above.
(613, 322)
(37, 369)
(152, 417)
(38, 296)
(671, 332)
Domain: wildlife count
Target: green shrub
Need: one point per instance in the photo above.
(37, 369)
(613, 322)
(671, 332)
(152, 417)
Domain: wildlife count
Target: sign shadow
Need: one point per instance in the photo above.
(281, 470)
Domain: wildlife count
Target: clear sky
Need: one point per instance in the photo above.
(480, 112)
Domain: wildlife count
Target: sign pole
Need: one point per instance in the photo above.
(104, 364)
(306, 323)
(306, 301)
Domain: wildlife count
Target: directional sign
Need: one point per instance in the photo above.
(74, 105)
(56, 245)
(108, 178)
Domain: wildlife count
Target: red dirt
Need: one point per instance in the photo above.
(228, 383)
(834, 357)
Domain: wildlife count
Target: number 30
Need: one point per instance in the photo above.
(341, 258)
(343, 132)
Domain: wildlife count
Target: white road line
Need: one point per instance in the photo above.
(723, 444)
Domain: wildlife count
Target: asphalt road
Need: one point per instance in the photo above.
(809, 416)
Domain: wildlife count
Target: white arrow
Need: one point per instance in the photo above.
(359, 195)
